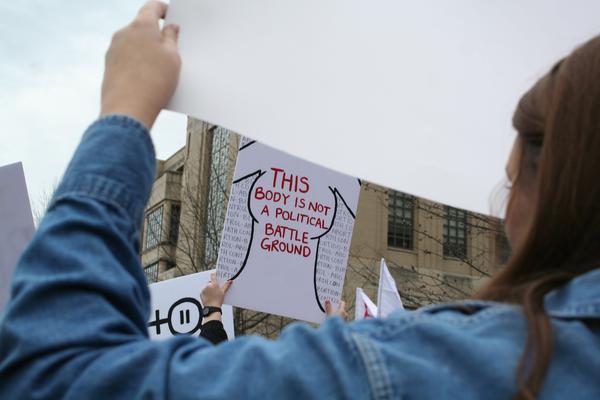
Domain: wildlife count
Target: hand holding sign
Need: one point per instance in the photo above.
(212, 295)
(340, 311)
(142, 67)
(176, 309)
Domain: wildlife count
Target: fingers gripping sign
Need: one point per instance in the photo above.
(142, 67)
(213, 294)
(177, 308)
(340, 311)
(152, 11)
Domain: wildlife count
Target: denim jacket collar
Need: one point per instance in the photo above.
(579, 298)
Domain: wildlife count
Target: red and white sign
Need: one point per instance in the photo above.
(364, 307)
(287, 233)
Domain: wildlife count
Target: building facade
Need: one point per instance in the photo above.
(435, 252)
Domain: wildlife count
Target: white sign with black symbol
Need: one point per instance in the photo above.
(177, 310)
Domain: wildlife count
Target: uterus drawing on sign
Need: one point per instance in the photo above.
(280, 209)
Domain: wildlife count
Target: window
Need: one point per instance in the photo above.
(151, 272)
(400, 220)
(154, 227)
(217, 194)
(174, 224)
(170, 264)
(455, 232)
(502, 249)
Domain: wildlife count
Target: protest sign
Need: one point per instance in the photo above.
(287, 233)
(415, 96)
(177, 310)
(16, 226)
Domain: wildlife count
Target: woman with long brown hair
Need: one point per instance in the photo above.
(553, 215)
(76, 324)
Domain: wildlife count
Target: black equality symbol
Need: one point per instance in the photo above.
(186, 304)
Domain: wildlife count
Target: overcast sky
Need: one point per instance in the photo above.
(52, 54)
(51, 65)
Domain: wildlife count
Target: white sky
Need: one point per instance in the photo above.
(52, 56)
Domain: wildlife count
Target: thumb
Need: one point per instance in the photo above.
(328, 307)
(171, 33)
(214, 282)
(226, 285)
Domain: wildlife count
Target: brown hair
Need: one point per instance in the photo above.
(558, 124)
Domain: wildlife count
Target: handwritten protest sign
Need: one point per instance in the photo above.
(176, 307)
(16, 226)
(287, 233)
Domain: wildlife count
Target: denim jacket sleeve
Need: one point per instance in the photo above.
(76, 324)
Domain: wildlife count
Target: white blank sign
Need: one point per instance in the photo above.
(416, 96)
(16, 224)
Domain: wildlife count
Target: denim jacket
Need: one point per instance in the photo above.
(75, 327)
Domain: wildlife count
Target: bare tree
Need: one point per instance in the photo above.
(204, 197)
(422, 286)
(42, 202)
